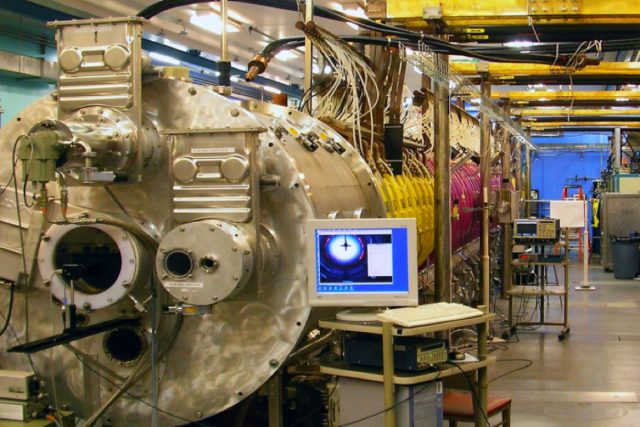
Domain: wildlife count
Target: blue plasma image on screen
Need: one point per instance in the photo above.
(361, 260)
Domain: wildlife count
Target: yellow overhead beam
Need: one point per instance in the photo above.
(513, 12)
(562, 124)
(564, 112)
(550, 96)
(506, 70)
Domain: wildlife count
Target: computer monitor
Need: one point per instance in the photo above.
(362, 262)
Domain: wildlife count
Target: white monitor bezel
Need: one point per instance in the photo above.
(362, 300)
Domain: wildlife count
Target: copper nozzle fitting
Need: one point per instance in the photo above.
(256, 66)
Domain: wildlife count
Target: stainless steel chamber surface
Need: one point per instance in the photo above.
(253, 172)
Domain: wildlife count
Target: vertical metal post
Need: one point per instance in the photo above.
(617, 154)
(507, 228)
(274, 389)
(527, 185)
(485, 177)
(224, 41)
(387, 374)
(483, 373)
(224, 65)
(442, 157)
(308, 56)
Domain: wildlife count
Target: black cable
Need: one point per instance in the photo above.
(474, 395)
(136, 398)
(528, 363)
(322, 12)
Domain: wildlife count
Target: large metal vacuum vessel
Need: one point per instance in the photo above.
(184, 212)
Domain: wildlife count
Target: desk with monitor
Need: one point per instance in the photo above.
(365, 265)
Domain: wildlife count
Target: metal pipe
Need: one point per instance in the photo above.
(442, 160)
(224, 41)
(308, 56)
(507, 228)
(527, 185)
(483, 373)
(485, 177)
(387, 375)
(617, 152)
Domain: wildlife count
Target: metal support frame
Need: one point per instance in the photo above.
(274, 390)
(485, 177)
(527, 180)
(224, 38)
(542, 292)
(507, 228)
(472, 13)
(524, 97)
(505, 71)
(442, 158)
(581, 113)
(387, 373)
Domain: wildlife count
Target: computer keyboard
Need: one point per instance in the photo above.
(428, 314)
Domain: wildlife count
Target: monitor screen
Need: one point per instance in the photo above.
(362, 262)
(526, 229)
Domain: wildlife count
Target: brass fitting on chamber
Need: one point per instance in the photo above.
(256, 66)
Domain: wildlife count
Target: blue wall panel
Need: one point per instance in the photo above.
(17, 93)
(551, 171)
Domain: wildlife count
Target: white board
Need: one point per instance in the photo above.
(571, 213)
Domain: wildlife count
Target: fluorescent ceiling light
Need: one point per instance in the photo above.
(357, 13)
(519, 43)
(175, 45)
(543, 99)
(230, 13)
(164, 58)
(212, 22)
(282, 81)
(286, 55)
(619, 99)
(272, 89)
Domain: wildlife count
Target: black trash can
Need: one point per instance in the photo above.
(625, 252)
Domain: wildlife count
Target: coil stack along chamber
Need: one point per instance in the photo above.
(166, 189)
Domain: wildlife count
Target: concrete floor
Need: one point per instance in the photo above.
(590, 379)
